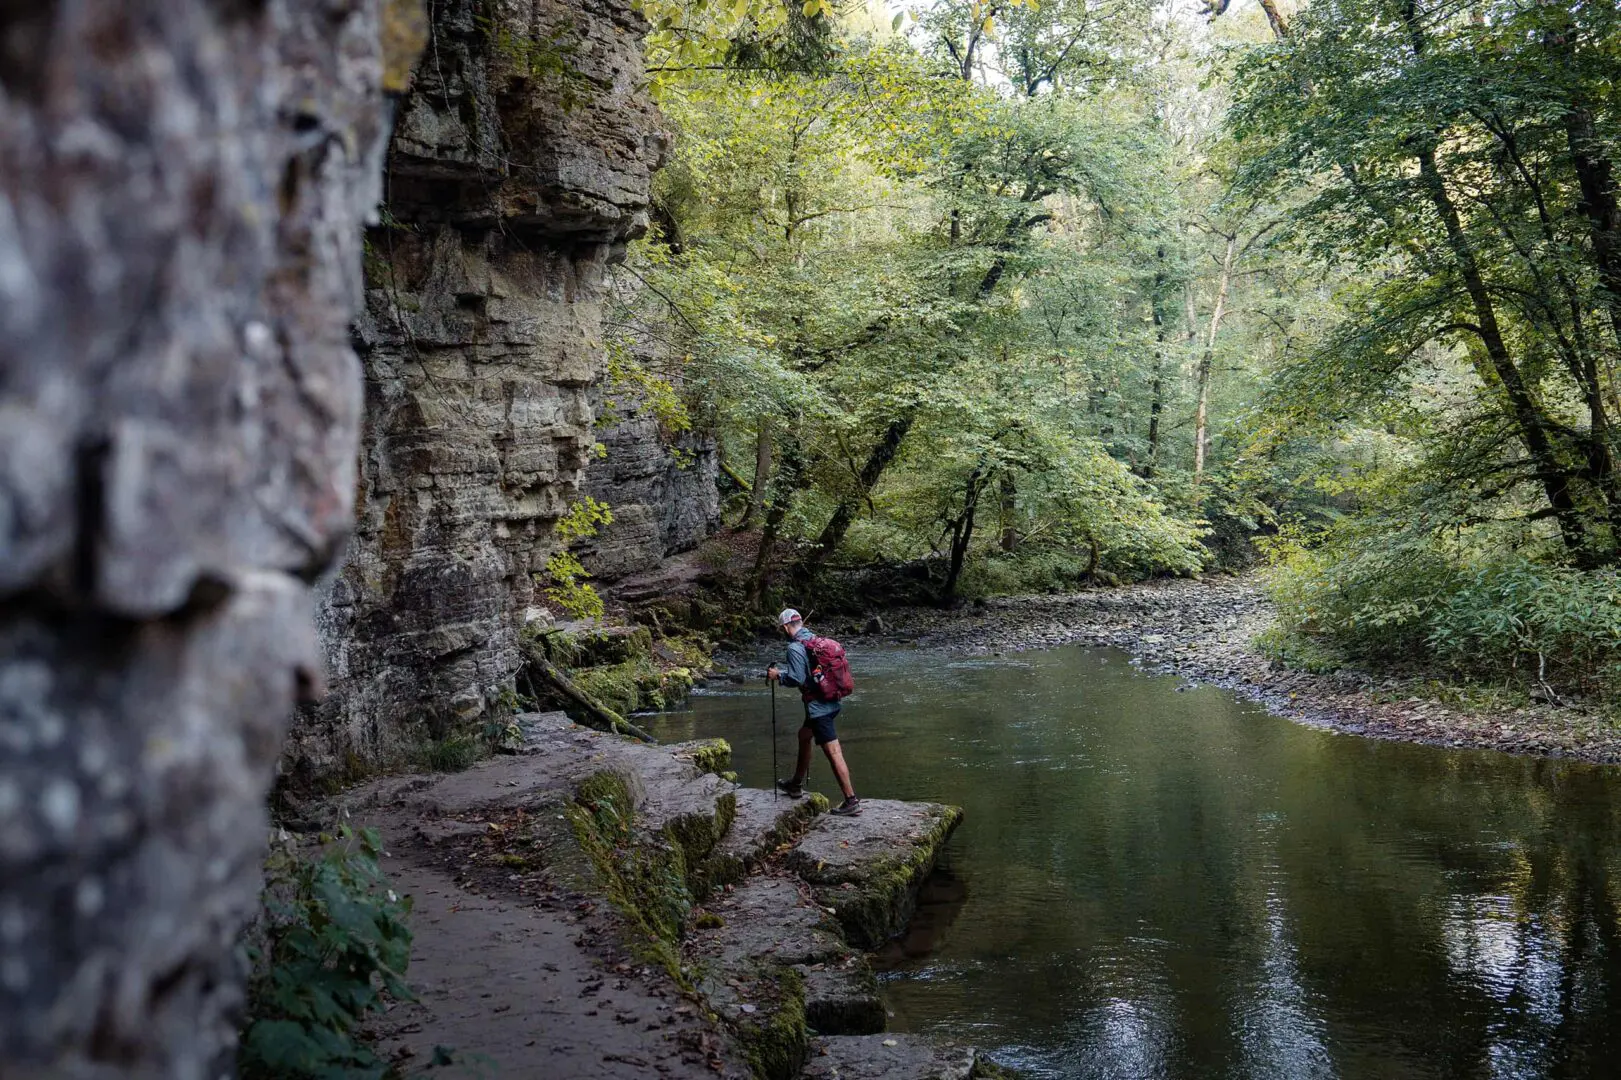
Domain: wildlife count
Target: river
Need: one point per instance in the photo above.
(1154, 880)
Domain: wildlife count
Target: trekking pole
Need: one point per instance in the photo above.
(774, 792)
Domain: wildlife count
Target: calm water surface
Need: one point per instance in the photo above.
(1154, 883)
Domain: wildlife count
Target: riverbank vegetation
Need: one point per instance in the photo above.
(1027, 295)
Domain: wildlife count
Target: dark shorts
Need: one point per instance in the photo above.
(821, 728)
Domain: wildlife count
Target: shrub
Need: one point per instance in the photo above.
(1557, 624)
(332, 945)
(1372, 601)
(1498, 617)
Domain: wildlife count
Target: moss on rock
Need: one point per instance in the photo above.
(773, 1035)
(645, 879)
(869, 869)
(696, 835)
(617, 686)
(709, 755)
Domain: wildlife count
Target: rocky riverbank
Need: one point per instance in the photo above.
(595, 907)
(1204, 631)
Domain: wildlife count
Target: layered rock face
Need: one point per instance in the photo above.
(182, 189)
(662, 493)
(519, 169)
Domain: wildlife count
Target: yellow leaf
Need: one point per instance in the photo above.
(811, 7)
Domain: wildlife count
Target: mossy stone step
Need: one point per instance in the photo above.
(868, 869)
(767, 944)
(764, 823)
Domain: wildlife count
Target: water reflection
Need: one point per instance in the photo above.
(1162, 884)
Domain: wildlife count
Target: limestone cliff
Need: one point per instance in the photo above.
(662, 492)
(182, 189)
(519, 168)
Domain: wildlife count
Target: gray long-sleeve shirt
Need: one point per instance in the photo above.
(797, 673)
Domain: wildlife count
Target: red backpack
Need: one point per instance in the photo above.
(830, 677)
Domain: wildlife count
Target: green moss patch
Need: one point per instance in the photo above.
(645, 880)
(766, 1012)
(709, 755)
(697, 835)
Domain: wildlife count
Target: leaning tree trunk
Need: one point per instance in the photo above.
(1523, 408)
(844, 515)
(183, 185)
(962, 535)
(1201, 416)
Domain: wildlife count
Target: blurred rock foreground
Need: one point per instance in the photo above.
(183, 185)
(191, 255)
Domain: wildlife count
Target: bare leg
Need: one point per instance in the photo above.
(841, 771)
(802, 768)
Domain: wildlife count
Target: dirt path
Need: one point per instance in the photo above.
(553, 894)
(537, 991)
(1202, 630)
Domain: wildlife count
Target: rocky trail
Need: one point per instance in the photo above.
(1203, 630)
(595, 907)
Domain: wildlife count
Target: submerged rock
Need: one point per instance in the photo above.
(889, 1057)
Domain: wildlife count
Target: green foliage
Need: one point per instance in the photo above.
(331, 950)
(1299, 651)
(1454, 422)
(1489, 616)
(910, 304)
(628, 376)
(453, 753)
(569, 589)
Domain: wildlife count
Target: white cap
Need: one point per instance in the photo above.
(789, 615)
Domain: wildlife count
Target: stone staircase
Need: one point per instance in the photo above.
(757, 909)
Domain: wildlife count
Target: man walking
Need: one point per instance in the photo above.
(817, 666)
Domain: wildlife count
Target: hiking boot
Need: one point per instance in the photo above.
(850, 807)
(794, 789)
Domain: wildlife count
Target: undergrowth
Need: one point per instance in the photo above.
(1507, 622)
(330, 950)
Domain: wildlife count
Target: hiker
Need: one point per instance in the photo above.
(817, 666)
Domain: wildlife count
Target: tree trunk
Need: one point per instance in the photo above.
(1600, 206)
(790, 479)
(597, 715)
(1523, 408)
(762, 475)
(879, 459)
(962, 534)
(1274, 19)
(1156, 404)
(1009, 509)
(1201, 416)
